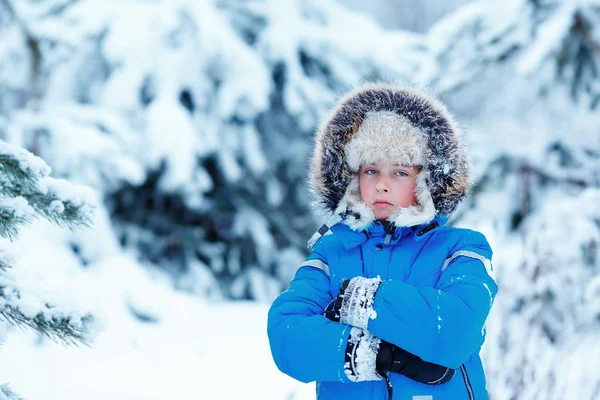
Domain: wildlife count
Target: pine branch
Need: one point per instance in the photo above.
(4, 265)
(29, 193)
(20, 178)
(10, 222)
(59, 329)
(63, 213)
(7, 392)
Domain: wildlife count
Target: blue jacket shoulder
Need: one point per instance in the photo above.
(461, 238)
(326, 247)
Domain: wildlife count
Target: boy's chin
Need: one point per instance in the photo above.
(382, 216)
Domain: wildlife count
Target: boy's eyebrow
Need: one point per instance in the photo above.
(393, 165)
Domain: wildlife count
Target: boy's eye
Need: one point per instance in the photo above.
(370, 171)
(401, 173)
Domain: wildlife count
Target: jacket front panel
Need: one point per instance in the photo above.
(414, 288)
(407, 258)
(406, 389)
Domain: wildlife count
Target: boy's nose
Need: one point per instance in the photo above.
(381, 185)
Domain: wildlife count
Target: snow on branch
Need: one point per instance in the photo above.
(27, 192)
(6, 393)
(26, 310)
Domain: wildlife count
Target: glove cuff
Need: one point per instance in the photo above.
(357, 306)
(361, 356)
(385, 356)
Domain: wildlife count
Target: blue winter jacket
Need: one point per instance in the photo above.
(436, 292)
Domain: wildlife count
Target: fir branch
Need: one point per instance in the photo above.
(59, 329)
(4, 266)
(21, 179)
(63, 213)
(7, 391)
(10, 223)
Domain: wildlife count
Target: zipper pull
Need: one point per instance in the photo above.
(387, 239)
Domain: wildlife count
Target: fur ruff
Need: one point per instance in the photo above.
(421, 213)
(386, 122)
(385, 137)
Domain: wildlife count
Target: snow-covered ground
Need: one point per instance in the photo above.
(188, 349)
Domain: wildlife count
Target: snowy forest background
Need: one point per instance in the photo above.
(186, 126)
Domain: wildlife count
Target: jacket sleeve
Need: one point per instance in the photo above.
(304, 343)
(444, 324)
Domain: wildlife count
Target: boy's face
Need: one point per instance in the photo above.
(386, 187)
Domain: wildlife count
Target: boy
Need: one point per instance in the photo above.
(390, 301)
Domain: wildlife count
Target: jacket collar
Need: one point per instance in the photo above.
(351, 238)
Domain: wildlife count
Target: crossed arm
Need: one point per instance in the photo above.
(441, 325)
(347, 307)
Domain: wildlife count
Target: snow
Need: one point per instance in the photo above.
(13, 44)
(256, 76)
(190, 348)
(17, 207)
(252, 223)
(362, 367)
(171, 136)
(29, 163)
(357, 307)
(90, 135)
(255, 159)
(66, 192)
(549, 37)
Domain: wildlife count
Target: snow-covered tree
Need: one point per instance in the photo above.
(523, 76)
(28, 192)
(557, 41)
(193, 121)
(544, 218)
(409, 15)
(206, 108)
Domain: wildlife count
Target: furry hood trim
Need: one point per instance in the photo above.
(386, 122)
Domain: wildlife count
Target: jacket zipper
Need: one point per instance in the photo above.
(362, 261)
(467, 382)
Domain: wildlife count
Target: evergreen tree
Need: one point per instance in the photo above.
(555, 41)
(26, 193)
(526, 73)
(208, 109)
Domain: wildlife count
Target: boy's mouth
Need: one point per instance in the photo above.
(382, 204)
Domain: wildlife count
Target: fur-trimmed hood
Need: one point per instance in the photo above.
(387, 122)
